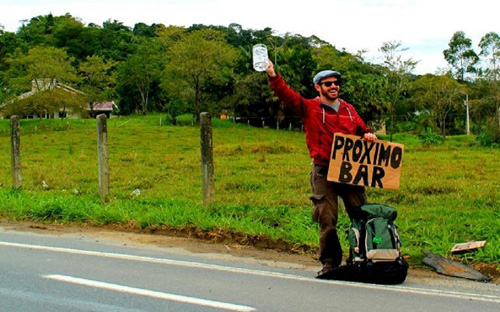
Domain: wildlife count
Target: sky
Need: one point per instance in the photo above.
(424, 27)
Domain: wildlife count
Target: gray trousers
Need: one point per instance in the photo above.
(325, 199)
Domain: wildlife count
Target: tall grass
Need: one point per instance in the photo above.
(449, 193)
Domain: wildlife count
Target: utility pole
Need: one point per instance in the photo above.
(466, 103)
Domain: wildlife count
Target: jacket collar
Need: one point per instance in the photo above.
(325, 106)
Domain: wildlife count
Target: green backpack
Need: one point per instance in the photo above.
(375, 245)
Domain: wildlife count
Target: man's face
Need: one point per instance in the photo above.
(328, 89)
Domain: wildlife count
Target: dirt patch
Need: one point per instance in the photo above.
(214, 242)
(490, 270)
(191, 239)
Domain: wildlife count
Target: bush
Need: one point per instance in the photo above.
(185, 120)
(168, 120)
(428, 138)
(490, 135)
(405, 126)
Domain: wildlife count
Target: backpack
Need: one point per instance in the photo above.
(375, 246)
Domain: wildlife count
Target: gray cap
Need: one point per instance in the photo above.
(325, 74)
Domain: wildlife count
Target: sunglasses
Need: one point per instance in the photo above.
(330, 83)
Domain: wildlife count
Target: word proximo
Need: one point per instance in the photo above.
(359, 162)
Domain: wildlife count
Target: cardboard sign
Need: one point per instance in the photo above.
(359, 162)
(469, 246)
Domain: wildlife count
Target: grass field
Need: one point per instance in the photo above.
(449, 193)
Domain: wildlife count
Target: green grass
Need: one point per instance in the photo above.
(449, 193)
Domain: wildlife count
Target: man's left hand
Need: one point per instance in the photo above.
(369, 137)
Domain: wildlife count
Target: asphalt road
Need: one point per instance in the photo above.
(47, 272)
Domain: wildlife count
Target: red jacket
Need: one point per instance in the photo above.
(320, 121)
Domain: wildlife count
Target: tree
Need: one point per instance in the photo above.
(197, 61)
(9, 42)
(327, 57)
(253, 98)
(42, 70)
(490, 50)
(59, 31)
(116, 41)
(97, 82)
(41, 65)
(461, 56)
(440, 95)
(39, 30)
(490, 87)
(485, 95)
(140, 71)
(397, 77)
(143, 30)
(67, 33)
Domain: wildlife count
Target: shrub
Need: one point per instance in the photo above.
(428, 138)
(490, 134)
(405, 126)
(185, 120)
(168, 120)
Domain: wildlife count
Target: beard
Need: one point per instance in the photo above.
(329, 94)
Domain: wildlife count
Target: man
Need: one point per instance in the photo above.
(322, 117)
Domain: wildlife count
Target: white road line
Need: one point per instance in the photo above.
(396, 288)
(64, 304)
(149, 293)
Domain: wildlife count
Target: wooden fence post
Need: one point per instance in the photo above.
(207, 160)
(15, 143)
(102, 156)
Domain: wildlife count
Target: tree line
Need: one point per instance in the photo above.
(178, 70)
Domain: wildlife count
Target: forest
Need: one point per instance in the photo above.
(177, 70)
